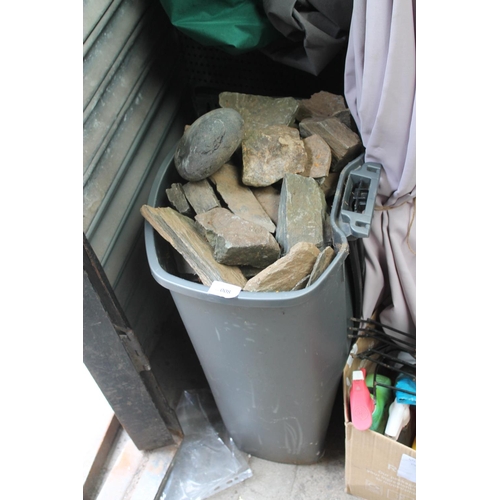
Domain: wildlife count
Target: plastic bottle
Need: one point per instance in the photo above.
(382, 400)
(399, 417)
(361, 401)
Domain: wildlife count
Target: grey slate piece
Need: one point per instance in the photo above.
(236, 241)
(346, 118)
(201, 196)
(177, 197)
(302, 212)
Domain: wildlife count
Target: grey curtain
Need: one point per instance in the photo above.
(314, 31)
(380, 90)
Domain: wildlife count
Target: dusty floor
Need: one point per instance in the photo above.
(270, 480)
(321, 481)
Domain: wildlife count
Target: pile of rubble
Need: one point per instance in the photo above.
(258, 172)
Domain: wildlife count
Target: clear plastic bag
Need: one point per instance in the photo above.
(207, 460)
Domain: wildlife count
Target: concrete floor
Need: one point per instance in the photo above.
(321, 481)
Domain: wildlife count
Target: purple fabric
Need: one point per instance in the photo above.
(380, 89)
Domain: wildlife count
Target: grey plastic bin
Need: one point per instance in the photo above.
(273, 360)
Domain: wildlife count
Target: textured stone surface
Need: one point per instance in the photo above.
(270, 153)
(285, 273)
(208, 143)
(177, 197)
(249, 271)
(302, 212)
(346, 118)
(240, 199)
(344, 143)
(319, 157)
(181, 232)
(302, 283)
(329, 183)
(260, 111)
(236, 241)
(320, 106)
(269, 198)
(201, 196)
(322, 262)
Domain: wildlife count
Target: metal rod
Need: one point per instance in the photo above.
(383, 339)
(390, 367)
(373, 322)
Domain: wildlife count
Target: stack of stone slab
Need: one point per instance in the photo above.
(257, 172)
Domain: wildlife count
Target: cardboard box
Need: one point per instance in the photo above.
(376, 467)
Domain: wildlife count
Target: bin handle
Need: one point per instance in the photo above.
(358, 201)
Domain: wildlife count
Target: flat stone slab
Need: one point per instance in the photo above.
(269, 198)
(181, 232)
(239, 198)
(302, 283)
(177, 197)
(236, 241)
(321, 105)
(287, 272)
(322, 262)
(260, 111)
(302, 212)
(201, 196)
(249, 271)
(344, 143)
(270, 153)
(208, 143)
(346, 118)
(319, 157)
(329, 183)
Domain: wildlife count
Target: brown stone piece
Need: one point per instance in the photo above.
(322, 262)
(201, 196)
(260, 111)
(236, 241)
(320, 106)
(319, 157)
(269, 198)
(344, 143)
(302, 283)
(270, 153)
(287, 272)
(240, 199)
(181, 232)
